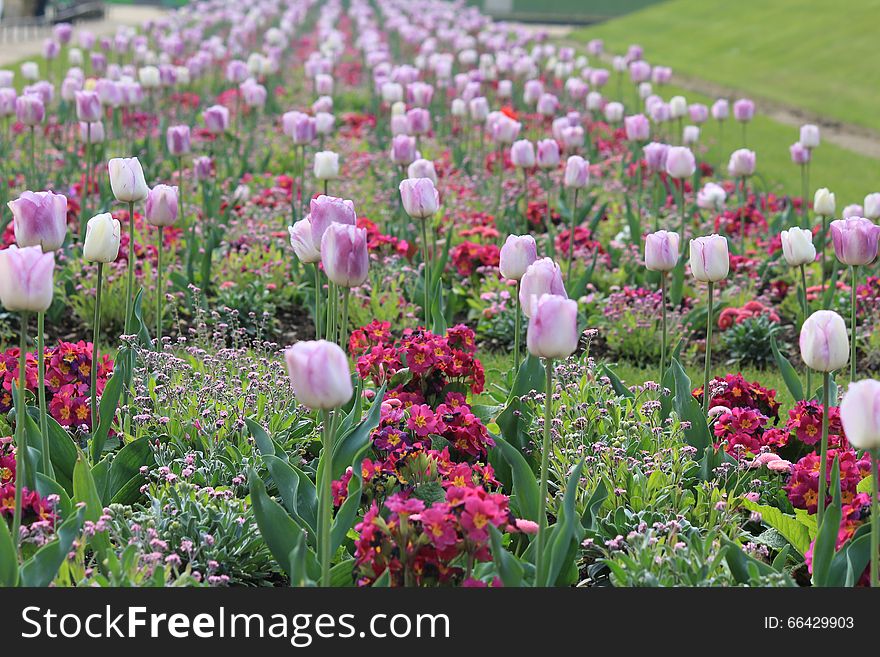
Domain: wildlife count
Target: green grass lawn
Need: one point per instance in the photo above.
(815, 54)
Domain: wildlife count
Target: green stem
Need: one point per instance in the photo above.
(129, 291)
(343, 329)
(41, 391)
(96, 361)
(302, 179)
(517, 331)
(875, 519)
(545, 460)
(571, 236)
(20, 447)
(326, 498)
(159, 292)
(427, 277)
(662, 324)
(679, 187)
(823, 239)
(805, 310)
(319, 292)
(823, 449)
(33, 180)
(853, 274)
(742, 216)
(708, 363)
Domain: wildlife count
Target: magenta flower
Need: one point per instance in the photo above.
(40, 219)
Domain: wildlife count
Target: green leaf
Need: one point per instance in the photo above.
(297, 493)
(352, 445)
(107, 407)
(261, 438)
(61, 446)
(348, 512)
(47, 486)
(741, 563)
(509, 568)
(865, 485)
(383, 580)
(127, 463)
(279, 530)
(568, 531)
(689, 410)
(594, 504)
(301, 570)
(616, 383)
(341, 575)
(525, 491)
(826, 540)
(8, 557)
(794, 531)
(86, 491)
(789, 375)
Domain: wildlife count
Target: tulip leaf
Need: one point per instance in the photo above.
(689, 410)
(792, 381)
(126, 464)
(348, 511)
(47, 486)
(594, 504)
(8, 557)
(618, 385)
(525, 492)
(85, 490)
(261, 438)
(826, 539)
(741, 564)
(668, 382)
(108, 404)
(568, 531)
(353, 444)
(509, 568)
(303, 569)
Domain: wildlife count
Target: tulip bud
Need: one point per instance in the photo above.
(127, 179)
(326, 165)
(39, 219)
(711, 197)
(852, 211)
(720, 109)
(690, 135)
(872, 206)
(655, 156)
(577, 172)
(637, 127)
(178, 140)
(7, 101)
(743, 110)
(26, 279)
(518, 252)
(548, 154)
(553, 327)
(661, 251)
(161, 206)
(543, 276)
(30, 110)
(420, 197)
(301, 241)
(418, 121)
(30, 71)
(698, 112)
(594, 101)
(742, 163)
(422, 168)
(324, 122)
(823, 202)
(799, 154)
(403, 150)
(824, 342)
(614, 112)
(797, 246)
(319, 374)
(102, 238)
(88, 106)
(855, 240)
(680, 162)
(203, 168)
(522, 154)
(344, 254)
(149, 78)
(678, 107)
(216, 119)
(860, 414)
(710, 260)
(809, 135)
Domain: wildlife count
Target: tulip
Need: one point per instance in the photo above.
(543, 276)
(403, 150)
(422, 168)
(517, 254)
(655, 156)
(346, 262)
(216, 119)
(742, 163)
(800, 154)
(88, 106)
(872, 206)
(420, 197)
(40, 219)
(698, 113)
(860, 416)
(548, 154)
(614, 112)
(522, 154)
(710, 263)
(178, 140)
(161, 207)
(326, 167)
(680, 162)
(321, 380)
(25, 287)
(128, 185)
(711, 197)
(720, 109)
(304, 247)
(552, 334)
(824, 205)
(691, 135)
(798, 250)
(637, 127)
(661, 254)
(809, 136)
(823, 344)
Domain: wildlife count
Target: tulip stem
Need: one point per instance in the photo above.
(129, 300)
(159, 291)
(875, 519)
(823, 449)
(572, 223)
(427, 276)
(853, 297)
(85, 193)
(517, 332)
(41, 392)
(679, 187)
(708, 363)
(662, 324)
(806, 310)
(96, 361)
(33, 180)
(742, 216)
(293, 199)
(545, 460)
(804, 188)
(319, 292)
(20, 447)
(326, 503)
(343, 329)
(823, 238)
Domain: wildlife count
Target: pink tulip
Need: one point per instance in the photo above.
(29, 110)
(823, 341)
(553, 327)
(698, 112)
(344, 254)
(742, 163)
(720, 109)
(743, 110)
(420, 197)
(799, 154)
(517, 254)
(710, 259)
(577, 172)
(216, 119)
(91, 133)
(326, 210)
(418, 121)
(548, 154)
(655, 156)
(26, 279)
(403, 150)
(637, 127)
(680, 162)
(319, 374)
(161, 206)
(661, 251)
(541, 277)
(522, 154)
(88, 106)
(178, 140)
(855, 240)
(40, 219)
(860, 414)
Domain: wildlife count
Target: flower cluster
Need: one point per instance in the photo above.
(468, 257)
(803, 487)
(377, 240)
(733, 391)
(853, 515)
(730, 316)
(584, 244)
(34, 507)
(68, 374)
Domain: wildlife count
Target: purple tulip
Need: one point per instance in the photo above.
(639, 71)
(823, 341)
(799, 154)
(216, 119)
(698, 112)
(7, 101)
(743, 110)
(548, 104)
(655, 156)
(553, 327)
(161, 206)
(403, 150)
(661, 251)
(91, 133)
(26, 279)
(577, 172)
(541, 277)
(177, 138)
(680, 162)
(720, 109)
(855, 240)
(203, 168)
(344, 254)
(420, 198)
(418, 121)
(29, 110)
(637, 127)
(319, 374)
(522, 154)
(710, 259)
(326, 210)
(40, 219)
(301, 241)
(518, 252)
(88, 106)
